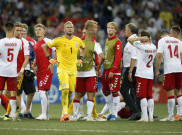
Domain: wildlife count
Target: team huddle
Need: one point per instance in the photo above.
(79, 62)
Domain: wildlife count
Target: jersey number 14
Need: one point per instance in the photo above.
(175, 51)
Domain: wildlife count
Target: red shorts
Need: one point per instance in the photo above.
(12, 84)
(86, 84)
(44, 80)
(144, 87)
(172, 81)
(112, 85)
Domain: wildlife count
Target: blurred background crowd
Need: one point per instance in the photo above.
(153, 15)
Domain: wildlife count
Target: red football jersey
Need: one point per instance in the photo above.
(41, 59)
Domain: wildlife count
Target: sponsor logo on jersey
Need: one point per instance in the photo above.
(76, 44)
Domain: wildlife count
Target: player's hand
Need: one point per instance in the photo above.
(110, 75)
(130, 76)
(51, 68)
(79, 62)
(99, 73)
(157, 74)
(20, 74)
(145, 39)
(54, 62)
(34, 70)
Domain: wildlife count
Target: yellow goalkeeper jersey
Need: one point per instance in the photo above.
(66, 51)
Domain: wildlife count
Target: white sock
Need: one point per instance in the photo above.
(76, 106)
(90, 105)
(109, 102)
(121, 105)
(13, 107)
(179, 100)
(47, 112)
(151, 108)
(144, 104)
(116, 101)
(105, 109)
(23, 107)
(81, 106)
(171, 104)
(43, 98)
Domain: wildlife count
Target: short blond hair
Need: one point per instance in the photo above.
(68, 22)
(113, 24)
(25, 26)
(89, 23)
(18, 24)
(39, 25)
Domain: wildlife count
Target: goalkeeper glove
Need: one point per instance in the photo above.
(79, 61)
(52, 61)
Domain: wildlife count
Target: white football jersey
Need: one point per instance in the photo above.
(145, 58)
(9, 49)
(26, 48)
(171, 48)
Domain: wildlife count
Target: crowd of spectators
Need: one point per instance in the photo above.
(153, 15)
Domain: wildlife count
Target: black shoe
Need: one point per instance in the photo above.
(29, 116)
(20, 116)
(155, 117)
(134, 116)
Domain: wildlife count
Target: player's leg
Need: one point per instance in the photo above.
(169, 85)
(150, 100)
(7, 93)
(29, 89)
(114, 86)
(90, 105)
(64, 86)
(44, 84)
(94, 112)
(2, 84)
(12, 87)
(142, 86)
(107, 94)
(178, 86)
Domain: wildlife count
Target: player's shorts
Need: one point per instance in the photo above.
(44, 80)
(11, 83)
(67, 81)
(112, 85)
(27, 86)
(86, 84)
(20, 80)
(172, 81)
(144, 87)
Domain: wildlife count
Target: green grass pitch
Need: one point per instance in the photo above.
(120, 127)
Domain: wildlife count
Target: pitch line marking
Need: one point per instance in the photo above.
(93, 131)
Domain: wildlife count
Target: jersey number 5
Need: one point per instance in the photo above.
(150, 59)
(10, 55)
(175, 51)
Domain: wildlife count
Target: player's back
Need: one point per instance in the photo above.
(171, 48)
(9, 49)
(145, 58)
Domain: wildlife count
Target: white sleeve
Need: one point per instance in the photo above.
(26, 47)
(160, 46)
(98, 48)
(181, 47)
(0, 47)
(139, 45)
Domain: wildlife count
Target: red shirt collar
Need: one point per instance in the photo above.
(112, 37)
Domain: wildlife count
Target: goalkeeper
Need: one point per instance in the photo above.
(67, 48)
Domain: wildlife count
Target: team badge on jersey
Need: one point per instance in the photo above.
(76, 44)
(64, 84)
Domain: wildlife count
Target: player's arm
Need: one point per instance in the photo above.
(132, 62)
(159, 58)
(100, 53)
(142, 39)
(34, 66)
(45, 48)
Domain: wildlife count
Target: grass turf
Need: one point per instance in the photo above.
(54, 127)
